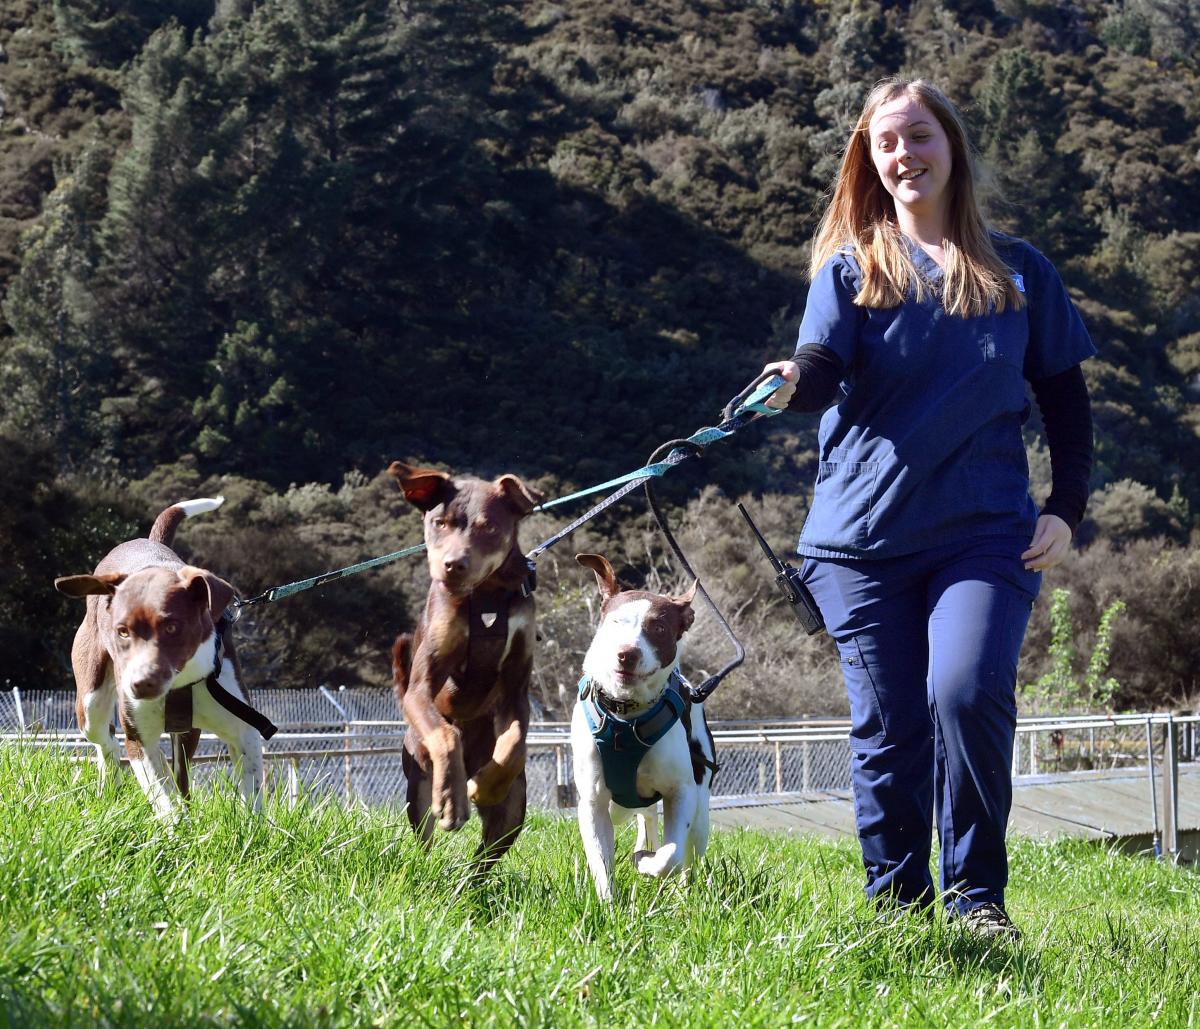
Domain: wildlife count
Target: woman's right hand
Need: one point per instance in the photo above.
(790, 371)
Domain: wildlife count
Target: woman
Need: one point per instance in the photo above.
(924, 550)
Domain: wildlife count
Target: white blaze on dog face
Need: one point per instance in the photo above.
(637, 644)
(157, 629)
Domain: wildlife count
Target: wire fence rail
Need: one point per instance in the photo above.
(348, 743)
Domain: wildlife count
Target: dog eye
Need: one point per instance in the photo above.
(123, 631)
(439, 523)
(171, 628)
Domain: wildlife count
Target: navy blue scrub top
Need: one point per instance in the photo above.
(924, 446)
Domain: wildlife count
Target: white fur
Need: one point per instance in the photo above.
(153, 770)
(98, 708)
(199, 505)
(666, 768)
(243, 741)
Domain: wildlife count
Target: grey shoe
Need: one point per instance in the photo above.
(990, 922)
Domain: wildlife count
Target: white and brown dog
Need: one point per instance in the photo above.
(152, 627)
(635, 735)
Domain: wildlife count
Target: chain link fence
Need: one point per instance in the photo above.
(346, 743)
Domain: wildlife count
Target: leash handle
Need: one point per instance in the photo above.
(753, 397)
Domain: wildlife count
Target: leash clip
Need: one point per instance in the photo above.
(529, 583)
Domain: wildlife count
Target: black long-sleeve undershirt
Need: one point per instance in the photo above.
(1067, 415)
(1062, 399)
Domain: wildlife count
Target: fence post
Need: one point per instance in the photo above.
(1033, 769)
(566, 791)
(1171, 791)
(778, 767)
(346, 760)
(20, 707)
(806, 747)
(293, 782)
(1016, 758)
(1156, 838)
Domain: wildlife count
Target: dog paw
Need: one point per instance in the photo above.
(659, 863)
(485, 794)
(452, 813)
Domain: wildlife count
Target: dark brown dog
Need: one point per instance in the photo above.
(152, 626)
(462, 678)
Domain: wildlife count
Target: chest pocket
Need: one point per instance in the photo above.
(1003, 338)
(843, 499)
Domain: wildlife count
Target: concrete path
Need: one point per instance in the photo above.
(1109, 805)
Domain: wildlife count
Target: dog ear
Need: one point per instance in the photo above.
(687, 614)
(690, 595)
(523, 498)
(606, 579)
(424, 488)
(209, 589)
(89, 585)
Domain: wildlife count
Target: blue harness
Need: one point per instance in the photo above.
(623, 743)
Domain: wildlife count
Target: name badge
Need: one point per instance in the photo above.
(1019, 282)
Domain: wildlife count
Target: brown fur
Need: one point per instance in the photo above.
(467, 725)
(145, 609)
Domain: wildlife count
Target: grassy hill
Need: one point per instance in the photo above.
(328, 917)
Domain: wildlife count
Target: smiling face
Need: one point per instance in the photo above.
(912, 156)
(637, 644)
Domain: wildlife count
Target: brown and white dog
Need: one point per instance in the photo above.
(462, 678)
(629, 668)
(150, 628)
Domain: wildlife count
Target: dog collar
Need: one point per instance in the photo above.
(622, 743)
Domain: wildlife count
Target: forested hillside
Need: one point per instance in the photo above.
(264, 248)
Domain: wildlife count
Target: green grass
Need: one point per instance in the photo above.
(323, 916)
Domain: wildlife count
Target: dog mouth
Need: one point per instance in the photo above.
(457, 585)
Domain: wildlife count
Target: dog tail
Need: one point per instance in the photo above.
(168, 521)
(401, 662)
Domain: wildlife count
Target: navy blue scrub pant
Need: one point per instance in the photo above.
(929, 645)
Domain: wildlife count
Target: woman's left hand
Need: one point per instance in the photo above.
(1050, 544)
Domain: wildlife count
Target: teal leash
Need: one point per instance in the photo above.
(291, 588)
(744, 408)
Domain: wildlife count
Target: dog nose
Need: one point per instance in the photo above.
(455, 564)
(627, 656)
(143, 688)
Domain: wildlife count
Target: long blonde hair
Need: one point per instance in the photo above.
(862, 216)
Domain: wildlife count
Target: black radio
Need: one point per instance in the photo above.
(787, 578)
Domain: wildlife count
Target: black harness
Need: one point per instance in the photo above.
(180, 703)
(487, 626)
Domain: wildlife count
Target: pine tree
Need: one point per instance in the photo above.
(54, 370)
(113, 32)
